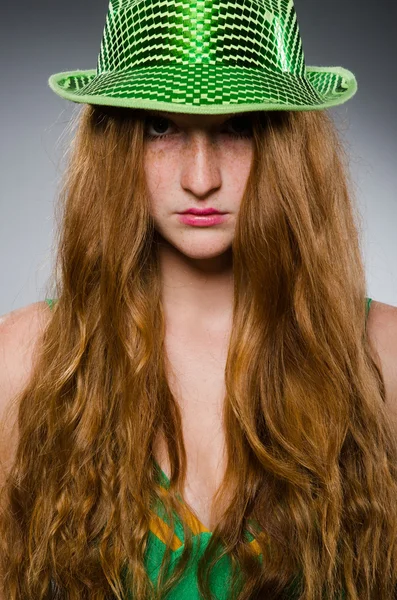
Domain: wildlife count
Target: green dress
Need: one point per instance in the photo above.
(187, 587)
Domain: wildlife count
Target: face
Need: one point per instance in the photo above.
(197, 161)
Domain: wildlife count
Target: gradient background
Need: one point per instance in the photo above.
(44, 37)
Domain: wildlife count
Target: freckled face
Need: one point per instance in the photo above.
(197, 161)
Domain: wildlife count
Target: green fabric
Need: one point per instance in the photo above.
(187, 587)
(368, 303)
(50, 302)
(204, 56)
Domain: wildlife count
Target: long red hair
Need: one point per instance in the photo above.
(310, 449)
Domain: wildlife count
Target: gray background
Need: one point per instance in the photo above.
(40, 38)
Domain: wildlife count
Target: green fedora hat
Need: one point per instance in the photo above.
(204, 56)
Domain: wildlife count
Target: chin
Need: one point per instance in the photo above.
(203, 253)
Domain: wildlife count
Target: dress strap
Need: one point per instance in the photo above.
(368, 304)
(50, 302)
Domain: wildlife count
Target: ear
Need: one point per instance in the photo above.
(382, 330)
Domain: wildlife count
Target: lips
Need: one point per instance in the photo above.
(201, 220)
(202, 211)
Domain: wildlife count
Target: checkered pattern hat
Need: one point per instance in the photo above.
(204, 56)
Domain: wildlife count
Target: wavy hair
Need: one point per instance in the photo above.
(311, 456)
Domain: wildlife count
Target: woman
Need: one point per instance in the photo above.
(204, 411)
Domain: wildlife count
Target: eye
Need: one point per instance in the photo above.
(241, 124)
(160, 124)
(157, 123)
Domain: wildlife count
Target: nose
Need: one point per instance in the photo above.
(200, 172)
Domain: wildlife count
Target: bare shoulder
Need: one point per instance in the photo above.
(19, 332)
(382, 333)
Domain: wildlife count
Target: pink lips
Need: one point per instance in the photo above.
(202, 211)
(202, 221)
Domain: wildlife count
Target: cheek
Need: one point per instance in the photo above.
(239, 166)
(160, 181)
(158, 172)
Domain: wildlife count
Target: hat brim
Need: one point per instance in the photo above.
(207, 88)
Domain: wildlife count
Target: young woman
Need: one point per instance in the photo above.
(206, 410)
